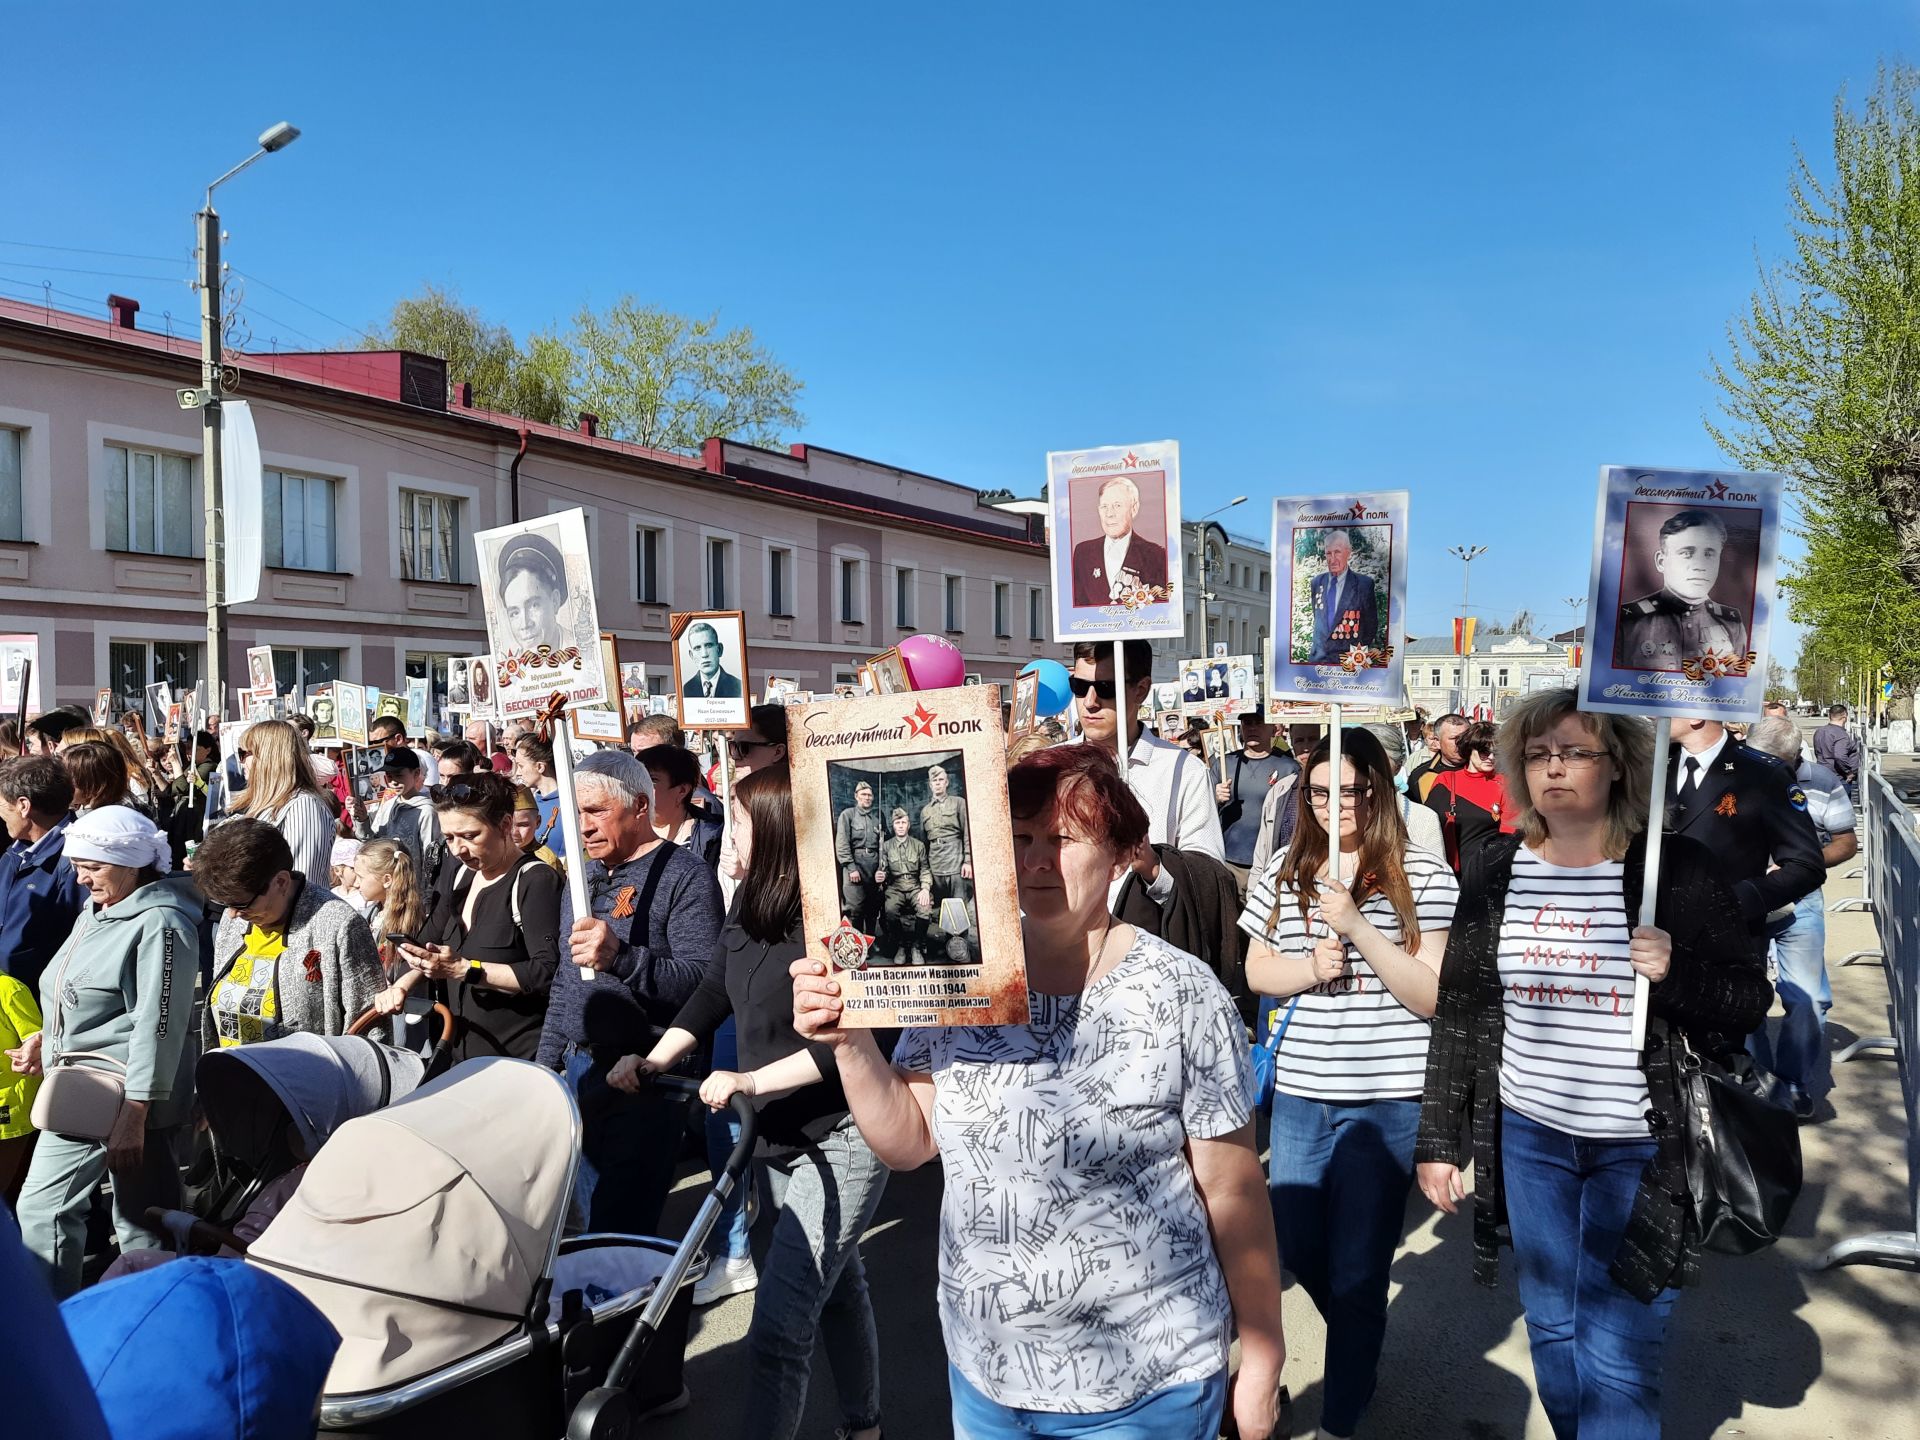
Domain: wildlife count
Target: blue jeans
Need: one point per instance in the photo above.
(629, 1147)
(1596, 1349)
(731, 1239)
(1179, 1412)
(1339, 1176)
(814, 1284)
(1799, 1055)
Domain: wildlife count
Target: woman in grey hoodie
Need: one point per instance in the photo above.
(120, 989)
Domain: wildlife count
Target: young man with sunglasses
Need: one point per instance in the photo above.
(1167, 780)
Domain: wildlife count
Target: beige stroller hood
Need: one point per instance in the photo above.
(421, 1230)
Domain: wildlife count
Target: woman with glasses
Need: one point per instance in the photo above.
(1578, 1143)
(1471, 801)
(764, 743)
(494, 940)
(1350, 945)
(1104, 1228)
(283, 791)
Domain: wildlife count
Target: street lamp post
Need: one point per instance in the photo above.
(1206, 565)
(207, 228)
(1466, 555)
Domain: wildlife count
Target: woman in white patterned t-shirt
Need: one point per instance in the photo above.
(1356, 952)
(1103, 1227)
(1578, 1137)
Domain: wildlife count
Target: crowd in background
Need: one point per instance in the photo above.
(1439, 974)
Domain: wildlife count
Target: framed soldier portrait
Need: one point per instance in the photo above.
(350, 711)
(1680, 597)
(710, 678)
(1114, 514)
(320, 707)
(1339, 600)
(543, 628)
(1023, 716)
(906, 856)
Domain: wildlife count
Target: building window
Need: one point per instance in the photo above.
(1002, 608)
(12, 520)
(719, 554)
(1265, 581)
(1434, 681)
(779, 582)
(296, 531)
(1486, 676)
(955, 598)
(903, 599)
(647, 544)
(303, 668)
(1036, 606)
(429, 536)
(1503, 677)
(852, 612)
(149, 502)
(132, 665)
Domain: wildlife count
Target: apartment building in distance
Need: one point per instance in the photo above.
(378, 474)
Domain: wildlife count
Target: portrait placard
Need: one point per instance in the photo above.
(159, 696)
(20, 673)
(176, 716)
(710, 677)
(605, 726)
(260, 668)
(633, 688)
(102, 707)
(1339, 597)
(780, 688)
(906, 856)
(416, 716)
(1680, 601)
(482, 696)
(1218, 678)
(391, 705)
(321, 708)
(350, 711)
(1024, 716)
(536, 582)
(457, 671)
(610, 667)
(888, 673)
(1114, 530)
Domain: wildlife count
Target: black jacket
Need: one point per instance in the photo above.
(1201, 917)
(1716, 992)
(1749, 812)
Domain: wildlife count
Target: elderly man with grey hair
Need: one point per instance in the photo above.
(1796, 1055)
(634, 962)
(1119, 559)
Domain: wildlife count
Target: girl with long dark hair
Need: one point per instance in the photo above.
(1353, 946)
(825, 1182)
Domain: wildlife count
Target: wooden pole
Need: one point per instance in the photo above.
(1650, 893)
(570, 827)
(1122, 725)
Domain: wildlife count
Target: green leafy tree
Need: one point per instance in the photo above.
(530, 382)
(671, 381)
(1822, 381)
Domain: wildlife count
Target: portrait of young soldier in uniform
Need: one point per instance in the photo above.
(1682, 621)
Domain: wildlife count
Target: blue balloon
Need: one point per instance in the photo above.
(1054, 694)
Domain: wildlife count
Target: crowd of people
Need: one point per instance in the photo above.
(1442, 983)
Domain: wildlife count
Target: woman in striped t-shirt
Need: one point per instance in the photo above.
(1358, 950)
(1578, 1137)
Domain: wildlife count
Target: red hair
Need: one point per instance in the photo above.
(1083, 783)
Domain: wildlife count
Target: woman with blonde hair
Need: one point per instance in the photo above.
(1578, 1144)
(384, 880)
(283, 790)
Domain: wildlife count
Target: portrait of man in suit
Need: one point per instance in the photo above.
(1346, 610)
(1117, 560)
(707, 677)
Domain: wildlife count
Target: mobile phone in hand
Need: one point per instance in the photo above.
(394, 937)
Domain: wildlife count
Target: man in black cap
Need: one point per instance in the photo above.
(1681, 621)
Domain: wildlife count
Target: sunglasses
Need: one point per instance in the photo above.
(741, 748)
(459, 792)
(244, 754)
(1080, 687)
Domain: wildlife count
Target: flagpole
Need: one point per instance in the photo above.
(1122, 727)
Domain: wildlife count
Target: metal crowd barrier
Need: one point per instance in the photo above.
(1891, 843)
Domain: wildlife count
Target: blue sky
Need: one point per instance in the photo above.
(1474, 250)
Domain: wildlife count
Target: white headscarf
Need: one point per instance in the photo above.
(116, 835)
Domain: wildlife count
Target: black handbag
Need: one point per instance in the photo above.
(1743, 1157)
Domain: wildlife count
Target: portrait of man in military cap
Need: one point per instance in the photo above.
(533, 590)
(1682, 621)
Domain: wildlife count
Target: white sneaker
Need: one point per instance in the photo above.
(724, 1278)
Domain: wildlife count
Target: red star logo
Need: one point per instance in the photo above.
(1132, 460)
(1716, 489)
(1359, 509)
(920, 722)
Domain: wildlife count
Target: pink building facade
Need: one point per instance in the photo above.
(377, 479)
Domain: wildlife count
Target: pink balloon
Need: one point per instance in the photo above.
(933, 663)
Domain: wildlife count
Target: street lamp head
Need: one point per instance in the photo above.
(279, 137)
(1237, 500)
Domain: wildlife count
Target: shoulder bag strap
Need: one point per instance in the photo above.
(643, 910)
(1277, 1032)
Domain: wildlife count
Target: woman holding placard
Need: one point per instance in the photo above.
(1103, 1227)
(1577, 1139)
(1358, 948)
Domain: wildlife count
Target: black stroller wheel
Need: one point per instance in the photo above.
(604, 1414)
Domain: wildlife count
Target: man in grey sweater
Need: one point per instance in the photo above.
(634, 961)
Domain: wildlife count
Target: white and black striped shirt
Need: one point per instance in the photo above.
(1350, 1039)
(1567, 992)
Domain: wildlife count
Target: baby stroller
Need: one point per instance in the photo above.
(429, 1234)
(269, 1107)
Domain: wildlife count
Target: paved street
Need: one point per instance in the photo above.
(1762, 1349)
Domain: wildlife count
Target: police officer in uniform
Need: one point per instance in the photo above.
(907, 902)
(856, 845)
(1681, 621)
(943, 821)
(1746, 808)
